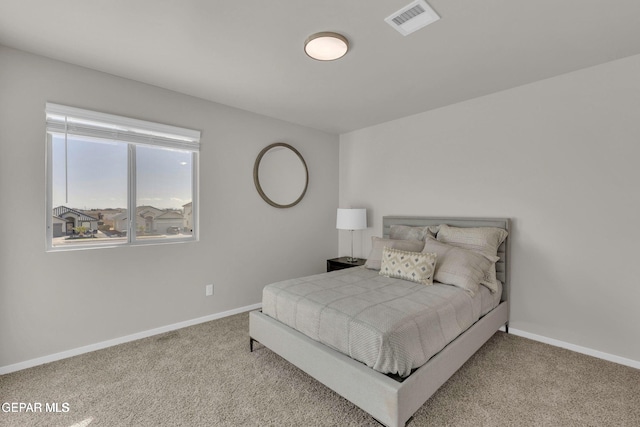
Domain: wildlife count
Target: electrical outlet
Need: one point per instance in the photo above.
(208, 290)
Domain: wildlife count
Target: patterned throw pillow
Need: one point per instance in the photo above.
(378, 244)
(414, 266)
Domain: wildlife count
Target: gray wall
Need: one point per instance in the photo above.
(52, 302)
(560, 157)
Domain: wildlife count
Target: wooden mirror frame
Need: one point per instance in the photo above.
(256, 179)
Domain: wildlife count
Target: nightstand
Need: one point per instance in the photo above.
(341, 263)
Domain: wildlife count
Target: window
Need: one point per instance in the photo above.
(113, 180)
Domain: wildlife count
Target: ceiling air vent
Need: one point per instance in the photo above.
(412, 17)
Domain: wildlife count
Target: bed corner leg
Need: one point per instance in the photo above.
(251, 341)
(399, 425)
(506, 328)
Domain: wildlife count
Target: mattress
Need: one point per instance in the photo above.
(393, 326)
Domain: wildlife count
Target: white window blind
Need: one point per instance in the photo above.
(76, 121)
(116, 181)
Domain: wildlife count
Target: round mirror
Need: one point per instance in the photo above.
(281, 176)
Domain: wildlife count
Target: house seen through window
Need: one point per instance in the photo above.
(118, 181)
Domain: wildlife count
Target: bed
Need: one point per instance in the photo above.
(390, 399)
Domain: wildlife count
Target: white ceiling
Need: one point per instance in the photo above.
(248, 53)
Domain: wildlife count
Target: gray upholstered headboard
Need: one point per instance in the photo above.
(502, 266)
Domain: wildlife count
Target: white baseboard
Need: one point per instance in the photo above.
(144, 334)
(109, 343)
(578, 349)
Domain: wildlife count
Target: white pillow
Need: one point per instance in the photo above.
(484, 240)
(413, 266)
(457, 266)
(405, 232)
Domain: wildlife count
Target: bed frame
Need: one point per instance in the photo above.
(389, 401)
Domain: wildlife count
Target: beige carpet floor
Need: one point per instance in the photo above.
(205, 375)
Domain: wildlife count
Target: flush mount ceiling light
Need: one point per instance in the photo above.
(326, 46)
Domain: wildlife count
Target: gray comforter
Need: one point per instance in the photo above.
(391, 325)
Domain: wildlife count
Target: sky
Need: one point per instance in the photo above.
(97, 174)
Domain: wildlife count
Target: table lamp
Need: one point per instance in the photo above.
(351, 219)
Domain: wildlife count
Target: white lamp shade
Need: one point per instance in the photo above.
(351, 219)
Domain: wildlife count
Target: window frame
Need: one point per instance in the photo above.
(133, 132)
